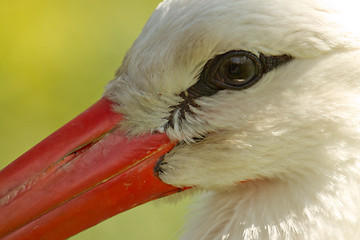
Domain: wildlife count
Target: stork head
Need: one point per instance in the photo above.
(248, 91)
(291, 117)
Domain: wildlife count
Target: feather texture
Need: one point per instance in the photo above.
(295, 134)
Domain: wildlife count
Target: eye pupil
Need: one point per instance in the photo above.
(236, 70)
(239, 69)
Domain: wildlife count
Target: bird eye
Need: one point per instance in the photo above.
(236, 70)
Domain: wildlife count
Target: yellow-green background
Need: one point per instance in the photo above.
(55, 59)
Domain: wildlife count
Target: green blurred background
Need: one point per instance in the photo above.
(56, 58)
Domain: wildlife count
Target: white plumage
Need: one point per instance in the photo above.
(295, 134)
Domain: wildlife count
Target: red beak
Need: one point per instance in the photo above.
(85, 172)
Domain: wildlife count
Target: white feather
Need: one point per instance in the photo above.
(295, 134)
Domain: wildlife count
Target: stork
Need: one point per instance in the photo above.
(255, 103)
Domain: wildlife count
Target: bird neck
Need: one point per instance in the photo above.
(324, 207)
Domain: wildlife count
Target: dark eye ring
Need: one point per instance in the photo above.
(236, 70)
